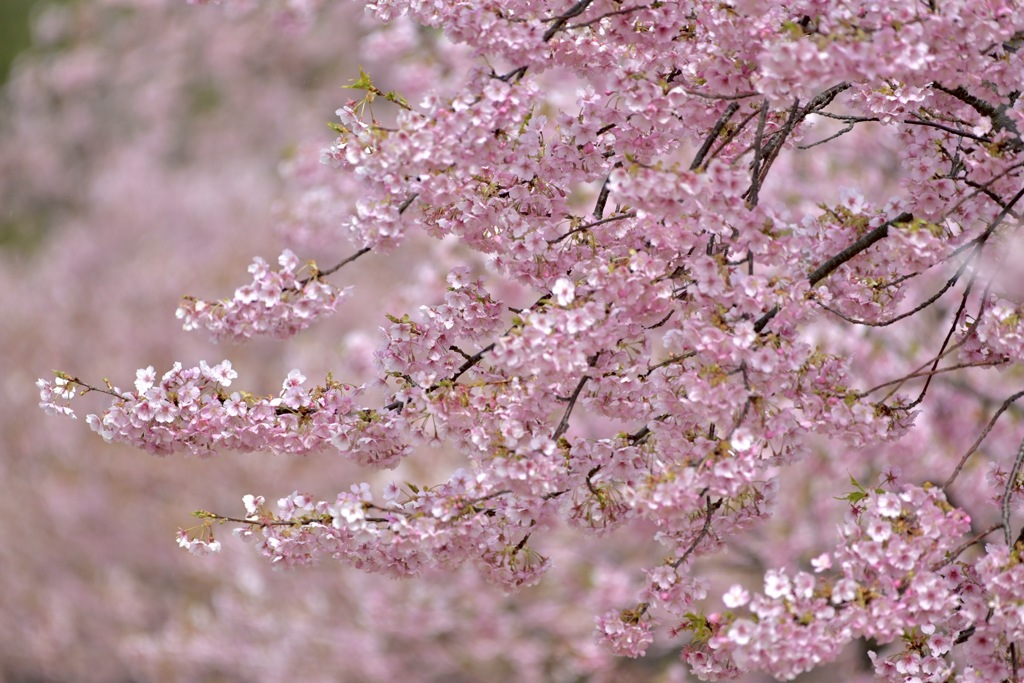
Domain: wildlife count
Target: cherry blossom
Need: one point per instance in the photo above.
(657, 313)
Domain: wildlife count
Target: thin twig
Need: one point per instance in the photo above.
(917, 309)
(825, 269)
(949, 336)
(1011, 485)
(733, 134)
(338, 266)
(335, 268)
(977, 442)
(610, 219)
(951, 557)
(591, 22)
(929, 373)
(948, 129)
(1000, 121)
(705, 530)
(846, 129)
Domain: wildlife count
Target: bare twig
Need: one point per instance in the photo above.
(591, 22)
(588, 226)
(951, 557)
(974, 447)
(1011, 485)
(711, 508)
(920, 307)
(338, 266)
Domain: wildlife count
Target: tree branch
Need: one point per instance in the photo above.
(826, 269)
(1011, 485)
(560, 21)
(977, 442)
(713, 135)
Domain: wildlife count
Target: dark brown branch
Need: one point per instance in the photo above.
(1000, 121)
(921, 373)
(951, 557)
(984, 189)
(963, 302)
(755, 165)
(639, 435)
(826, 269)
(713, 135)
(796, 116)
(469, 363)
(705, 530)
(945, 342)
(948, 129)
(733, 134)
(338, 266)
(591, 22)
(563, 424)
(513, 75)
(917, 309)
(602, 197)
(560, 21)
(846, 129)
(670, 361)
(774, 145)
(879, 233)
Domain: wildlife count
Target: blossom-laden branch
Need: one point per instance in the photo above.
(277, 303)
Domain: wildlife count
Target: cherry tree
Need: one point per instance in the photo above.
(735, 280)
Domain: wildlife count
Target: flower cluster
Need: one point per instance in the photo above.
(409, 531)
(277, 303)
(899, 577)
(191, 410)
(996, 337)
(55, 396)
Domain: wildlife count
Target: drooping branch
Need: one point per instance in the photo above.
(917, 309)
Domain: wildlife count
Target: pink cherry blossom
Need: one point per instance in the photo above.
(700, 270)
